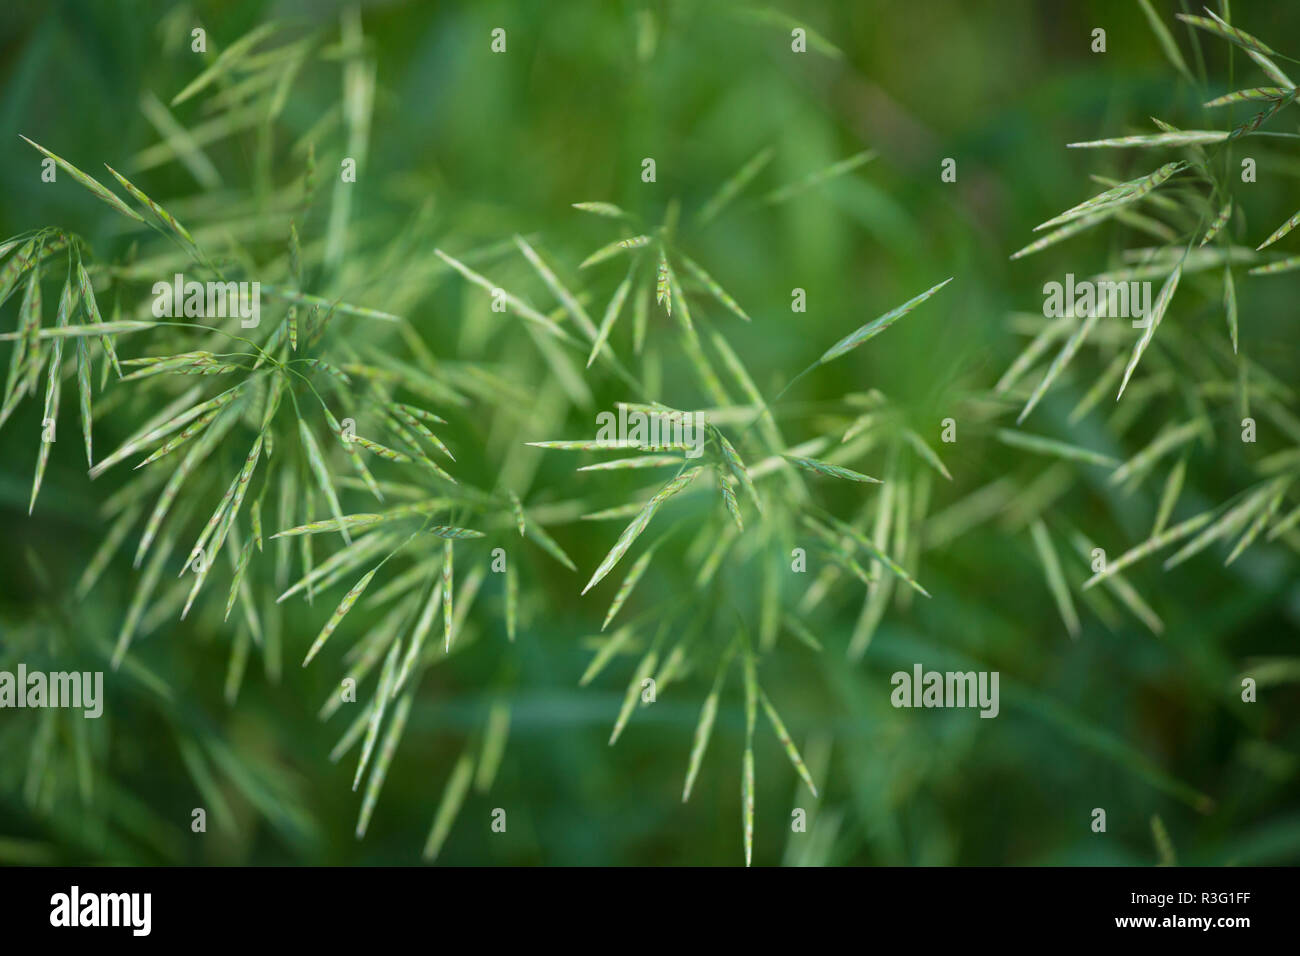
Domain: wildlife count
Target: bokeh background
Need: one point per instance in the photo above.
(466, 148)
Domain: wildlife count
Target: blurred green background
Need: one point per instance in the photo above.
(467, 148)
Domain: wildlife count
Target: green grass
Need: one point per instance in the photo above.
(412, 429)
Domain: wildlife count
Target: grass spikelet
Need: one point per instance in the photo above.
(1281, 231)
(1164, 846)
(237, 578)
(90, 183)
(1065, 232)
(1055, 577)
(704, 726)
(316, 302)
(386, 750)
(225, 61)
(625, 589)
(453, 533)
(1166, 40)
(611, 314)
(382, 694)
(331, 370)
(521, 308)
(615, 248)
(736, 184)
(422, 429)
(606, 209)
(354, 456)
(83, 396)
(1157, 313)
(1154, 543)
(494, 745)
(737, 468)
(641, 461)
(340, 612)
(713, 288)
(50, 415)
(639, 524)
(381, 451)
(222, 520)
(1124, 591)
(255, 520)
(567, 299)
(1230, 305)
(176, 441)
(747, 770)
(1058, 449)
(926, 452)
(583, 444)
(643, 671)
(876, 326)
(1167, 440)
(117, 533)
(151, 433)
(452, 798)
(352, 522)
(512, 601)
(447, 571)
(1224, 30)
(549, 545)
(863, 542)
(1271, 69)
(421, 413)
(27, 347)
(1220, 221)
(422, 627)
(663, 283)
(321, 474)
(340, 561)
(187, 466)
(1284, 265)
(80, 331)
(826, 468)
(787, 744)
(1058, 364)
(613, 645)
(517, 507)
(1256, 94)
(1117, 196)
(1227, 523)
(92, 312)
(140, 598)
(1185, 137)
(167, 218)
(1263, 116)
(729, 497)
(1173, 487)
(1261, 521)
(13, 270)
(815, 179)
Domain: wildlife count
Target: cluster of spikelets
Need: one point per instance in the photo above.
(254, 438)
(1187, 207)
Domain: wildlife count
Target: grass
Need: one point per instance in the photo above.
(375, 452)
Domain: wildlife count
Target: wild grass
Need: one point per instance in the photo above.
(1191, 204)
(333, 486)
